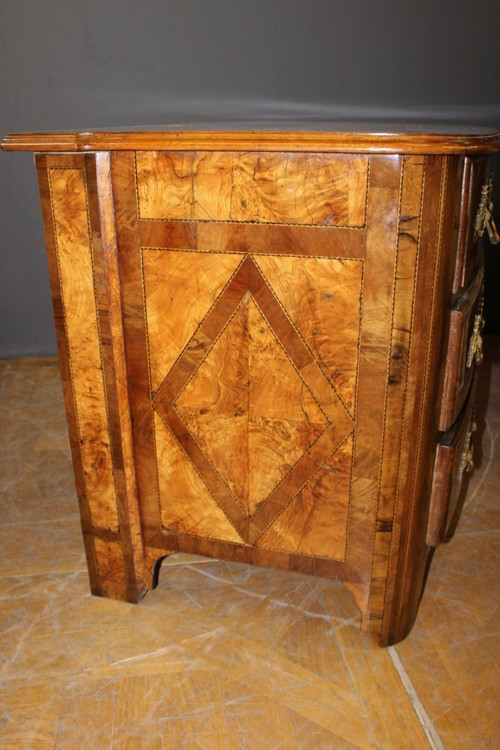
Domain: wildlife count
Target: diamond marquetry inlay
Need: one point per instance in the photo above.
(249, 405)
(249, 409)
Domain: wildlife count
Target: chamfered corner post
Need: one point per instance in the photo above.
(77, 207)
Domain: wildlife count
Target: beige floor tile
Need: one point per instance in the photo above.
(46, 547)
(382, 696)
(198, 709)
(28, 715)
(45, 587)
(451, 657)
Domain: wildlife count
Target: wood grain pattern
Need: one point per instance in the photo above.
(101, 328)
(316, 521)
(300, 189)
(110, 317)
(246, 405)
(135, 339)
(179, 289)
(326, 311)
(111, 570)
(249, 409)
(249, 187)
(408, 239)
(187, 505)
(262, 239)
(435, 270)
(374, 344)
(77, 162)
(74, 253)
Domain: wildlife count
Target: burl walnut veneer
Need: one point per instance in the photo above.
(268, 342)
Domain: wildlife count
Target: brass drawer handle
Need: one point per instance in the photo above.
(484, 216)
(475, 353)
(467, 457)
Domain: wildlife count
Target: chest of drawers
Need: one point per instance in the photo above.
(268, 342)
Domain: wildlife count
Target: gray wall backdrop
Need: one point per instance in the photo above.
(101, 63)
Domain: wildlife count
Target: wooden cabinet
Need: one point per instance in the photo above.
(265, 342)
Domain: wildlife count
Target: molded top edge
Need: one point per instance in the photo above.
(348, 136)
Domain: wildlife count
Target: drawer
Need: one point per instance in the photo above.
(464, 350)
(454, 457)
(475, 177)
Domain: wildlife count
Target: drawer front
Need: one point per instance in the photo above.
(464, 350)
(475, 177)
(454, 457)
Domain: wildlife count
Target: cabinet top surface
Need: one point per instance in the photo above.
(406, 136)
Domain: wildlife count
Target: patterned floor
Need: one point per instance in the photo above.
(224, 655)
